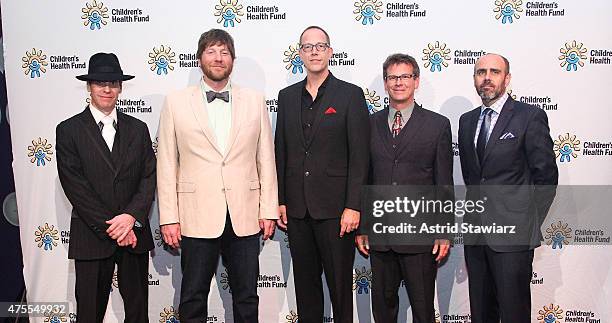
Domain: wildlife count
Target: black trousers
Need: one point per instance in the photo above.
(315, 247)
(499, 284)
(419, 274)
(93, 284)
(199, 260)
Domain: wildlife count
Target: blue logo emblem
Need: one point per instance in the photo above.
(572, 56)
(293, 60)
(558, 234)
(162, 60)
(94, 15)
(40, 152)
(34, 63)
(566, 147)
(362, 280)
(228, 11)
(46, 237)
(367, 11)
(436, 55)
(508, 9)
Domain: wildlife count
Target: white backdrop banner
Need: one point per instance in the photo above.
(560, 54)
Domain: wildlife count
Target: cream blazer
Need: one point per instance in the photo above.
(197, 182)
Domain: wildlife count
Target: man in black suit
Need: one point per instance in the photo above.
(409, 146)
(505, 146)
(321, 145)
(106, 165)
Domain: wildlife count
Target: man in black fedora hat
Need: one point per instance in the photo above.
(106, 166)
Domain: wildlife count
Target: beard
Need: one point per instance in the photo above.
(490, 95)
(216, 76)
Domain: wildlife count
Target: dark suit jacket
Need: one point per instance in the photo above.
(325, 175)
(422, 155)
(101, 184)
(522, 169)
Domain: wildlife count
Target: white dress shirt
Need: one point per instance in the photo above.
(219, 114)
(496, 107)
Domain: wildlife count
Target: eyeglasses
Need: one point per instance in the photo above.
(309, 47)
(402, 78)
(111, 84)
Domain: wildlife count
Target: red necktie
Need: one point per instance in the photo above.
(397, 124)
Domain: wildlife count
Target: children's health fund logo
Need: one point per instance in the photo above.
(568, 147)
(230, 13)
(95, 15)
(437, 56)
(509, 11)
(368, 12)
(35, 62)
(162, 59)
(574, 56)
(554, 313)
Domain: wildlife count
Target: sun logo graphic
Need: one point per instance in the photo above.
(286, 240)
(362, 280)
(558, 234)
(228, 11)
(550, 314)
(572, 56)
(293, 60)
(157, 235)
(55, 317)
(436, 55)
(513, 96)
(367, 11)
(169, 315)
(373, 101)
(94, 15)
(566, 147)
(40, 151)
(225, 281)
(162, 60)
(292, 317)
(34, 63)
(46, 237)
(437, 317)
(508, 9)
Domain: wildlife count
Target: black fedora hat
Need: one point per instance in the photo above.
(104, 67)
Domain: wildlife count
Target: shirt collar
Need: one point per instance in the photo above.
(497, 105)
(205, 87)
(405, 112)
(99, 115)
(321, 87)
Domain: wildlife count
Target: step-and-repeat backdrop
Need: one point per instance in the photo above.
(560, 54)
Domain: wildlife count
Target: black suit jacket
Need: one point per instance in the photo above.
(324, 175)
(101, 184)
(421, 155)
(522, 169)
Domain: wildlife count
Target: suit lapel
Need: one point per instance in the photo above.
(298, 114)
(382, 126)
(470, 133)
(201, 115)
(331, 88)
(238, 111)
(92, 131)
(123, 140)
(500, 125)
(412, 127)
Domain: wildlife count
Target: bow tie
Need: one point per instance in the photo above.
(212, 95)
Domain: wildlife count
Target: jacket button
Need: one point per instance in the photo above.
(394, 183)
(482, 180)
(307, 173)
(394, 146)
(395, 162)
(223, 164)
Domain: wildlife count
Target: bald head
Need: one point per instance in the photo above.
(493, 58)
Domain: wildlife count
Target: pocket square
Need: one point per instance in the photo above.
(330, 110)
(507, 135)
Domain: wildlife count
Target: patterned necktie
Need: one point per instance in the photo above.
(212, 95)
(397, 124)
(108, 131)
(481, 142)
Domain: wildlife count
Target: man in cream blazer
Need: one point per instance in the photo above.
(217, 181)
